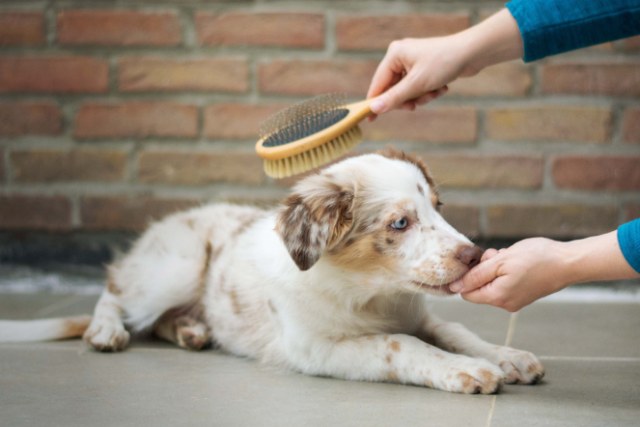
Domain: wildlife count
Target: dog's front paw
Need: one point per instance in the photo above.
(520, 367)
(106, 336)
(193, 337)
(473, 376)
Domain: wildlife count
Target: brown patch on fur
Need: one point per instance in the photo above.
(487, 376)
(364, 254)
(190, 223)
(420, 189)
(75, 326)
(467, 383)
(112, 287)
(310, 223)
(393, 376)
(394, 346)
(388, 358)
(235, 302)
(202, 277)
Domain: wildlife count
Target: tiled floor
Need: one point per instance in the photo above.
(591, 352)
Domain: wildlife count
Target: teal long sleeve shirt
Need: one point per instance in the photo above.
(549, 27)
(629, 241)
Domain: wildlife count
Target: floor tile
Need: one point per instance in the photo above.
(490, 323)
(582, 330)
(574, 393)
(55, 385)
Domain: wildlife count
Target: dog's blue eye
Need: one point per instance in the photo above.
(400, 224)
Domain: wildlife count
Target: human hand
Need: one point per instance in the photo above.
(416, 71)
(517, 276)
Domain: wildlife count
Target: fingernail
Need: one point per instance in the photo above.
(455, 287)
(377, 106)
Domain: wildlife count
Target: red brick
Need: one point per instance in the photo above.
(237, 121)
(30, 118)
(53, 74)
(631, 126)
(21, 28)
(375, 32)
(465, 219)
(166, 75)
(430, 124)
(314, 77)
(632, 211)
(549, 123)
(127, 212)
(118, 28)
(199, 168)
(617, 79)
(597, 172)
(82, 164)
(508, 79)
(556, 221)
(297, 30)
(477, 171)
(20, 212)
(136, 120)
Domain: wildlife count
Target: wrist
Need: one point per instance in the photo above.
(494, 40)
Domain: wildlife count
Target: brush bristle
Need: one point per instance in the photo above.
(303, 119)
(315, 157)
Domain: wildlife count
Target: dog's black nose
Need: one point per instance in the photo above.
(469, 255)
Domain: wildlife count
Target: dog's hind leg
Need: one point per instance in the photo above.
(106, 331)
(187, 329)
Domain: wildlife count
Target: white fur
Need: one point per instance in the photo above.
(223, 273)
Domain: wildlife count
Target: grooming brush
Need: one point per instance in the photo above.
(310, 134)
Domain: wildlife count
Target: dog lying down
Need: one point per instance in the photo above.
(331, 284)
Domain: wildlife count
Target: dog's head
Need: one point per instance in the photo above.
(378, 214)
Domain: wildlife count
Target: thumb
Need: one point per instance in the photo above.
(395, 96)
(477, 277)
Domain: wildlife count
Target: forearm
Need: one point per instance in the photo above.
(597, 258)
(492, 41)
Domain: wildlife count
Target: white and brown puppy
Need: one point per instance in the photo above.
(331, 284)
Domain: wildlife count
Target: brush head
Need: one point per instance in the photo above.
(310, 134)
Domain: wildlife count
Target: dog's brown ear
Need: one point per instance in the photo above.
(315, 217)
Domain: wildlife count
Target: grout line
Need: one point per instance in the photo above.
(511, 329)
(492, 409)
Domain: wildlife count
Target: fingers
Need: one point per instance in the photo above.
(488, 254)
(477, 277)
(385, 76)
(431, 96)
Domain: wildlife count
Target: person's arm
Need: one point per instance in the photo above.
(533, 268)
(415, 71)
(549, 27)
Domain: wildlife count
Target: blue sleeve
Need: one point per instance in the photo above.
(549, 27)
(629, 241)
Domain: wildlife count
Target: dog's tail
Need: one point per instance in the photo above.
(43, 329)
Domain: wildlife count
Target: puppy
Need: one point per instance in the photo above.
(331, 284)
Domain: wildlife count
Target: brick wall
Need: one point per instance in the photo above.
(110, 116)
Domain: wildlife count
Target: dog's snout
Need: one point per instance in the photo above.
(469, 255)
